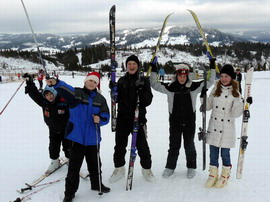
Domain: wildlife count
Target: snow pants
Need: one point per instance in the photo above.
(76, 156)
(56, 139)
(123, 129)
(177, 131)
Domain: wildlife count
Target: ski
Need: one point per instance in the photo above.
(63, 161)
(113, 67)
(133, 150)
(246, 116)
(203, 36)
(158, 43)
(202, 133)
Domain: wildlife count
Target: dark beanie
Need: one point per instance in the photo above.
(228, 69)
(133, 58)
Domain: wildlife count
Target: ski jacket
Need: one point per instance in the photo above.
(56, 114)
(225, 108)
(84, 104)
(40, 76)
(127, 97)
(161, 72)
(181, 98)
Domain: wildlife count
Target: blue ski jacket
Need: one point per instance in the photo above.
(84, 104)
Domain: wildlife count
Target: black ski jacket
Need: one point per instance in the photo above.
(128, 94)
(56, 114)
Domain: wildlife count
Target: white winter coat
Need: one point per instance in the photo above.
(225, 108)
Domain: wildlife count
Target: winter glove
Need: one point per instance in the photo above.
(153, 64)
(112, 84)
(51, 81)
(114, 93)
(249, 100)
(203, 92)
(212, 63)
(208, 55)
(140, 83)
(28, 78)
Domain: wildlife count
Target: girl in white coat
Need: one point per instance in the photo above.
(226, 105)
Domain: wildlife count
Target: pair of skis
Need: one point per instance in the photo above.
(133, 150)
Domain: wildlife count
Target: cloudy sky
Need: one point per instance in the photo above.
(82, 16)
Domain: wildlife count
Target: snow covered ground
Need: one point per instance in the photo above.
(24, 154)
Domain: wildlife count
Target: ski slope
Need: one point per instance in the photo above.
(24, 154)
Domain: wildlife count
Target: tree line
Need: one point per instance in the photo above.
(241, 51)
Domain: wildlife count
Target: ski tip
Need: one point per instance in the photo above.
(113, 8)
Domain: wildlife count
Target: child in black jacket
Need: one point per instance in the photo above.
(56, 114)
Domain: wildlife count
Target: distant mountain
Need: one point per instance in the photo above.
(255, 36)
(126, 38)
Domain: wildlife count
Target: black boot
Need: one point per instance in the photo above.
(104, 189)
(69, 198)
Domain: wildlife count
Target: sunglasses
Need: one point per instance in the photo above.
(182, 72)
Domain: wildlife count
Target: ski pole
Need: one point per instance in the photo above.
(24, 198)
(11, 98)
(35, 186)
(33, 34)
(98, 162)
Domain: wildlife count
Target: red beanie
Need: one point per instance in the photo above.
(95, 76)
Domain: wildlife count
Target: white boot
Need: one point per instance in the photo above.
(53, 166)
(118, 174)
(224, 177)
(167, 172)
(191, 172)
(148, 175)
(212, 178)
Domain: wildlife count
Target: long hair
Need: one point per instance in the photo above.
(235, 87)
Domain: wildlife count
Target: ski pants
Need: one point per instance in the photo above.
(123, 129)
(56, 139)
(177, 131)
(76, 156)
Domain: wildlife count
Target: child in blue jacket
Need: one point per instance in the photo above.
(88, 111)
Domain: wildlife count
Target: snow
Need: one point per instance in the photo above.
(24, 154)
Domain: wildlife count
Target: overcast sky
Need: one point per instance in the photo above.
(83, 16)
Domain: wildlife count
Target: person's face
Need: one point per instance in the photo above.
(49, 96)
(132, 67)
(225, 79)
(182, 78)
(90, 84)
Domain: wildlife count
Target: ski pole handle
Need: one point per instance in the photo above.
(25, 189)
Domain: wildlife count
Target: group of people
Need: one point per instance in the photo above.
(74, 117)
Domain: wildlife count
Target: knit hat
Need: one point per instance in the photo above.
(229, 70)
(95, 76)
(182, 69)
(50, 89)
(133, 58)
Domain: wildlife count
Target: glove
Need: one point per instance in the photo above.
(203, 92)
(212, 63)
(153, 64)
(208, 55)
(112, 84)
(51, 81)
(28, 78)
(249, 100)
(139, 83)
